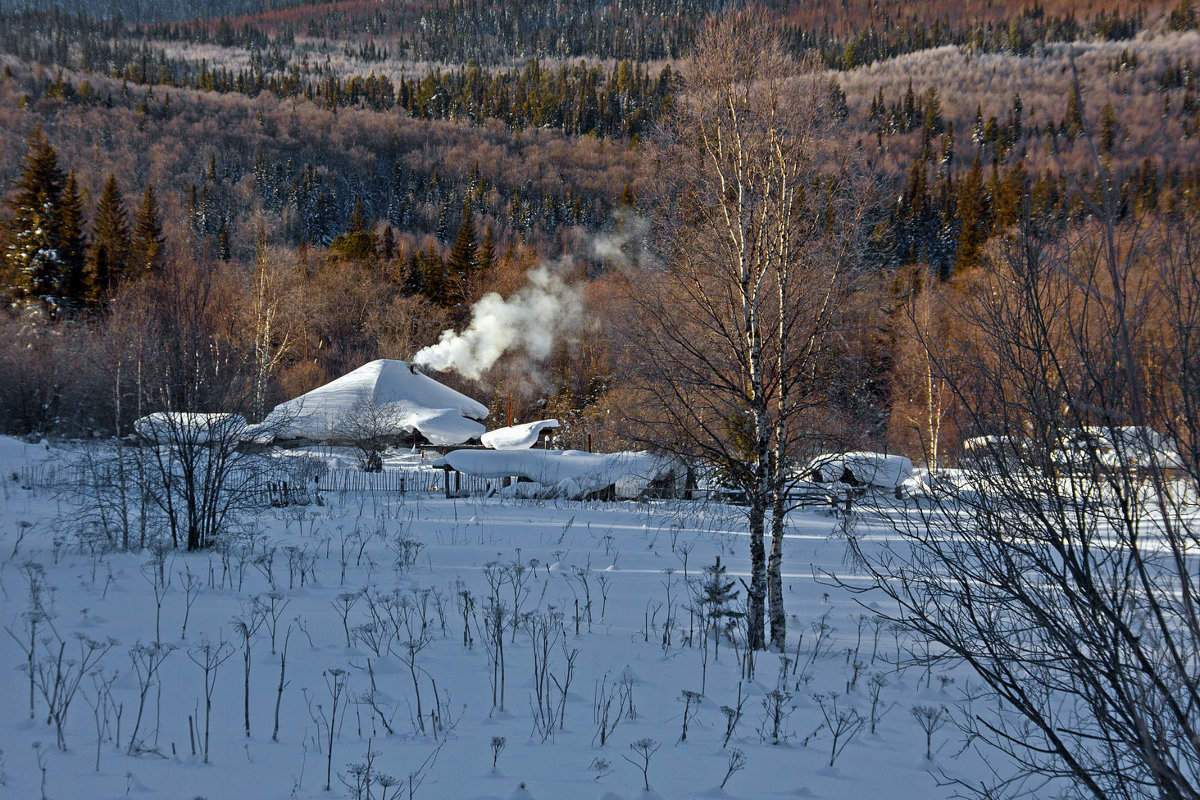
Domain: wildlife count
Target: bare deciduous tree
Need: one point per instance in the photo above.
(368, 427)
(1061, 575)
(759, 205)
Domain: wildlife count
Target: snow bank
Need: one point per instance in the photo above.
(399, 399)
(563, 473)
(517, 437)
(873, 469)
(178, 426)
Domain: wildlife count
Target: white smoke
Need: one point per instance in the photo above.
(621, 246)
(530, 320)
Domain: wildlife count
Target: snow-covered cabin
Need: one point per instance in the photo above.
(1135, 447)
(518, 437)
(860, 469)
(566, 473)
(383, 398)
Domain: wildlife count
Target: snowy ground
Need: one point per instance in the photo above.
(629, 558)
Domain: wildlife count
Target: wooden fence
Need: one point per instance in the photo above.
(402, 481)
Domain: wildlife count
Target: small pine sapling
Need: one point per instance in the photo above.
(718, 596)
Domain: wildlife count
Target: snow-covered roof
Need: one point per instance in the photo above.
(873, 469)
(566, 473)
(1130, 445)
(397, 397)
(517, 437)
(179, 427)
(1010, 444)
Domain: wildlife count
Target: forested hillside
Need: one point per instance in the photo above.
(361, 173)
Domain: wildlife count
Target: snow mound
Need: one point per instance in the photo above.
(563, 473)
(178, 426)
(397, 398)
(520, 793)
(517, 437)
(872, 469)
(21, 451)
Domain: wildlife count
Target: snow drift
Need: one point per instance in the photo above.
(177, 427)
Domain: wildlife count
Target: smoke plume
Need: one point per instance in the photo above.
(529, 320)
(622, 246)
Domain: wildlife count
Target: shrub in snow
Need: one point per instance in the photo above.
(842, 723)
(498, 743)
(643, 750)
(931, 719)
(737, 762)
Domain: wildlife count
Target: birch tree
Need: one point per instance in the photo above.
(758, 215)
(271, 340)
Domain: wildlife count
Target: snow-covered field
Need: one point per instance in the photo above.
(602, 589)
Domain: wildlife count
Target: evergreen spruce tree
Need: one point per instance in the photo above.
(33, 256)
(718, 595)
(389, 243)
(358, 242)
(628, 197)
(973, 222)
(413, 278)
(947, 156)
(440, 229)
(147, 244)
(463, 259)
(1108, 129)
(108, 256)
(433, 276)
(487, 252)
(73, 249)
